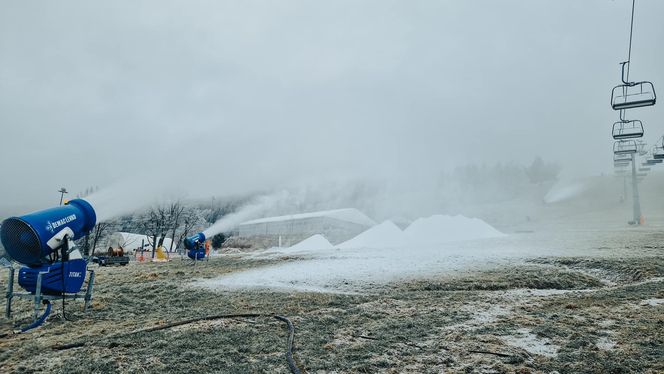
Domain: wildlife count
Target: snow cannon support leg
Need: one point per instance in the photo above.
(88, 291)
(10, 293)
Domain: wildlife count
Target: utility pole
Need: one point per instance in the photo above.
(635, 193)
(62, 191)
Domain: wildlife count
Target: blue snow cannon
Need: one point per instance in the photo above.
(40, 240)
(195, 246)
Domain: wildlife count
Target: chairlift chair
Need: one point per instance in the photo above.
(622, 158)
(624, 147)
(658, 153)
(632, 94)
(624, 129)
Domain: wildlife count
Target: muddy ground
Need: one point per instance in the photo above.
(573, 314)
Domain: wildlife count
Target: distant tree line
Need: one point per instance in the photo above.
(496, 182)
(175, 220)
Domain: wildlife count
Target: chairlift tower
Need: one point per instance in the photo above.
(629, 95)
(635, 193)
(627, 151)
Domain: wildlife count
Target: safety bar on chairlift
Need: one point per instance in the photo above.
(622, 74)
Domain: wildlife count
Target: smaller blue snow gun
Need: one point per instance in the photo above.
(195, 246)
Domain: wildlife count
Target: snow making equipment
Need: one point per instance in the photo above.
(196, 246)
(42, 242)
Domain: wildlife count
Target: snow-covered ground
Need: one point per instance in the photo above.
(438, 245)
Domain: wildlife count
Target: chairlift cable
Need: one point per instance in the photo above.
(631, 29)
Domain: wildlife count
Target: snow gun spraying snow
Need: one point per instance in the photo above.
(42, 242)
(196, 246)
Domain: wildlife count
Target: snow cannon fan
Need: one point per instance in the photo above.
(195, 246)
(41, 241)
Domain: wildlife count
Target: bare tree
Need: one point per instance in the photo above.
(188, 223)
(156, 224)
(175, 211)
(97, 233)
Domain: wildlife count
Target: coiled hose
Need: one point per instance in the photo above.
(289, 353)
(41, 319)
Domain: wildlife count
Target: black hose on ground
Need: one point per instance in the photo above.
(289, 353)
(41, 319)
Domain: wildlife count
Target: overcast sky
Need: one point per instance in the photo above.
(220, 97)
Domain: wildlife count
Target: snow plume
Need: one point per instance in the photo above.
(562, 191)
(126, 197)
(253, 209)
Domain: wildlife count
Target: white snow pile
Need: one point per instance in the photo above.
(385, 235)
(423, 232)
(439, 229)
(313, 243)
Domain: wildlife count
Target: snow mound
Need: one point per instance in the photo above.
(385, 235)
(314, 242)
(423, 232)
(439, 229)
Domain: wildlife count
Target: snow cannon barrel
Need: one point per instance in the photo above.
(195, 241)
(29, 239)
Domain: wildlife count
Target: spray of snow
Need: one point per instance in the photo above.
(127, 197)
(251, 210)
(562, 191)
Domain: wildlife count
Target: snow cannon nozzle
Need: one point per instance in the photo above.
(30, 238)
(195, 241)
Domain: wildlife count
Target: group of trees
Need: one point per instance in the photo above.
(175, 220)
(541, 172)
(172, 219)
(87, 192)
(496, 182)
